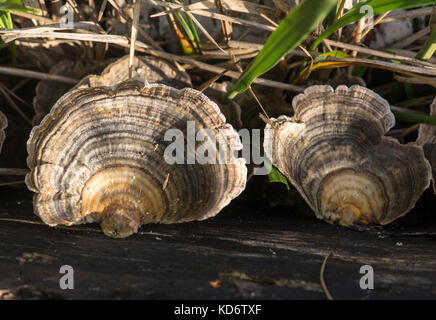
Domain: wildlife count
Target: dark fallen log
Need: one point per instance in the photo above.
(238, 254)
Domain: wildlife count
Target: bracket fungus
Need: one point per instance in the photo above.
(144, 67)
(231, 110)
(333, 150)
(155, 70)
(148, 68)
(427, 138)
(151, 69)
(99, 156)
(47, 92)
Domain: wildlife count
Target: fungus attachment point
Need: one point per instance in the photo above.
(348, 214)
(119, 221)
(352, 197)
(119, 197)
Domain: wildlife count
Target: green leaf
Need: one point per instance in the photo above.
(6, 23)
(16, 5)
(275, 175)
(11, 2)
(378, 6)
(292, 30)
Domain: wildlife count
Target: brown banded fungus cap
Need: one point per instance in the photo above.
(333, 150)
(99, 156)
(231, 110)
(427, 138)
(47, 92)
(155, 70)
(148, 68)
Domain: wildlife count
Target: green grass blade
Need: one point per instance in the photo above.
(412, 103)
(194, 33)
(6, 23)
(298, 24)
(378, 6)
(5, 20)
(415, 118)
(428, 49)
(188, 28)
(3, 24)
(320, 58)
(330, 18)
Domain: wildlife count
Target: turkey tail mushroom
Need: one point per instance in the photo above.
(47, 92)
(100, 155)
(155, 70)
(333, 150)
(151, 69)
(148, 68)
(427, 138)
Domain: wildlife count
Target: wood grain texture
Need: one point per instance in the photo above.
(254, 254)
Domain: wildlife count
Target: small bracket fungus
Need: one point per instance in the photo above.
(333, 150)
(94, 158)
(427, 138)
(148, 68)
(47, 92)
(155, 70)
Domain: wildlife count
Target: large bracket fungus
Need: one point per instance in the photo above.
(98, 156)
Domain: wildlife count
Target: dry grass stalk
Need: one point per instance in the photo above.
(13, 171)
(124, 41)
(134, 34)
(35, 75)
(209, 14)
(14, 105)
